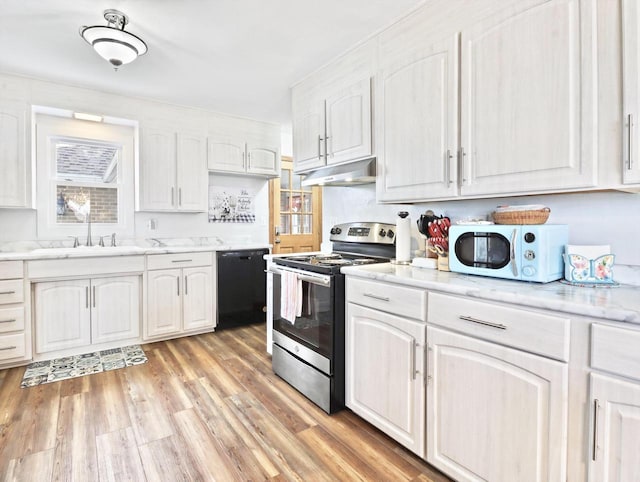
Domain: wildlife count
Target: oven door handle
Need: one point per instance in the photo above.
(309, 278)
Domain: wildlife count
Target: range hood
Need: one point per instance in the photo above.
(351, 174)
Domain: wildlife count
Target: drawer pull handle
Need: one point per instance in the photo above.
(8, 348)
(376, 297)
(482, 322)
(596, 408)
(7, 292)
(8, 321)
(182, 261)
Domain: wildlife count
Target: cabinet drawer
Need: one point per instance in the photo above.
(399, 300)
(615, 349)
(61, 268)
(11, 291)
(12, 346)
(11, 269)
(11, 319)
(178, 260)
(519, 328)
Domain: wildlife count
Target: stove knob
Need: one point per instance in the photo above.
(382, 233)
(390, 234)
(528, 271)
(338, 230)
(333, 231)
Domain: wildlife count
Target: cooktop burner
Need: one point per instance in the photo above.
(327, 262)
(353, 244)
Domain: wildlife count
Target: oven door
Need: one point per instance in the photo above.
(314, 328)
(490, 252)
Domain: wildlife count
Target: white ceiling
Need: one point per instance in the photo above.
(233, 56)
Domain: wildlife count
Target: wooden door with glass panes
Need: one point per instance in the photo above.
(295, 214)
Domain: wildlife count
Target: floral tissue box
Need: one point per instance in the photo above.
(588, 264)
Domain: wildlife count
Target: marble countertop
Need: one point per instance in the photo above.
(621, 303)
(62, 252)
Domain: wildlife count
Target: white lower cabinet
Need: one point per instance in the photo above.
(77, 313)
(179, 300)
(164, 309)
(385, 375)
(494, 413)
(614, 403)
(615, 430)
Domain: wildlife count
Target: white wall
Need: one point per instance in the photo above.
(593, 218)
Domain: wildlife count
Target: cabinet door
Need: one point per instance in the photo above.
(226, 154)
(631, 90)
(164, 303)
(308, 134)
(417, 130)
(263, 159)
(494, 413)
(158, 170)
(13, 164)
(198, 298)
(115, 308)
(63, 316)
(384, 374)
(616, 430)
(192, 175)
(528, 117)
(348, 115)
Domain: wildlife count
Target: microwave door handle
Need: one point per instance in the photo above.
(514, 266)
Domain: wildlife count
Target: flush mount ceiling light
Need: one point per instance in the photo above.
(111, 42)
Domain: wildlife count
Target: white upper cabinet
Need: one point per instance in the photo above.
(172, 171)
(348, 123)
(308, 134)
(332, 128)
(226, 154)
(417, 126)
(631, 91)
(191, 175)
(263, 158)
(528, 107)
(254, 151)
(13, 160)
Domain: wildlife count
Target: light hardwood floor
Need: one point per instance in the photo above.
(206, 407)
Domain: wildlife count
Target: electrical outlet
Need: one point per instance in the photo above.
(152, 224)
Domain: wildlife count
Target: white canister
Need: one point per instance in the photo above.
(403, 237)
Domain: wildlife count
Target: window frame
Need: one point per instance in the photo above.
(50, 129)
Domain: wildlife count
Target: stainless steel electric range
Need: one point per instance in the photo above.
(308, 352)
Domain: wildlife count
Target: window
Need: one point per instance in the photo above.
(84, 173)
(86, 179)
(296, 208)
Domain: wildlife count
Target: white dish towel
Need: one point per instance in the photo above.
(290, 296)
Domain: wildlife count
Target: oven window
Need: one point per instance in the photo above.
(483, 250)
(314, 328)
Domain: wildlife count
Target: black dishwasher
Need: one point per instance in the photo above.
(242, 287)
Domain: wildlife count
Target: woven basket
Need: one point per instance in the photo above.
(539, 216)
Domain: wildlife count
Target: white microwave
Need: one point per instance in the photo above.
(531, 252)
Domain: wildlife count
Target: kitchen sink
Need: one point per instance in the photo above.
(90, 250)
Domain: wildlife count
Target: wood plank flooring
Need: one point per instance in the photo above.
(203, 408)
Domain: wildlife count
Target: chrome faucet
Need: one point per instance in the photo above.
(89, 243)
(113, 239)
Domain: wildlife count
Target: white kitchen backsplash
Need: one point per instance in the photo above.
(20, 224)
(593, 218)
